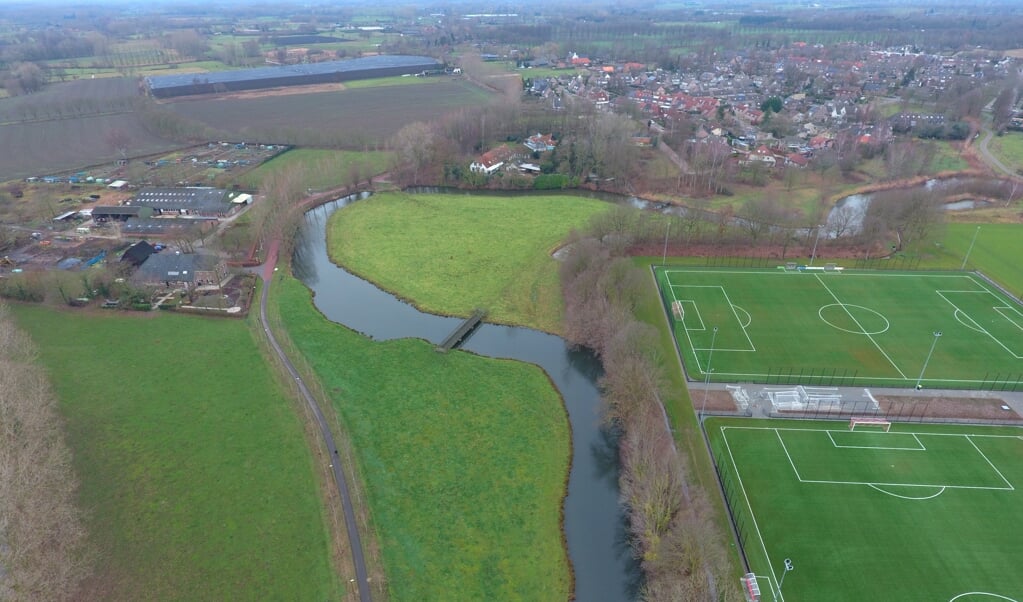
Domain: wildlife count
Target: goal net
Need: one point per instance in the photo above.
(870, 422)
(677, 311)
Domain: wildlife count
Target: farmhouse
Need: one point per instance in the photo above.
(168, 86)
(492, 160)
(185, 270)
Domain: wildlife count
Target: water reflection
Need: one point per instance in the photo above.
(594, 523)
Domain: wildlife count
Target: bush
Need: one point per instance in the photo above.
(552, 181)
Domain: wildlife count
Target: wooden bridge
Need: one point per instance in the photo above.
(463, 332)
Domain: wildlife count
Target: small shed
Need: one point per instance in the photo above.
(117, 184)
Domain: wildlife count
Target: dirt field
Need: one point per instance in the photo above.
(364, 115)
(65, 127)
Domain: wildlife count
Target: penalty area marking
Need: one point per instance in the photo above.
(988, 594)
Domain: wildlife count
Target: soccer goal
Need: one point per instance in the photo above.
(677, 310)
(869, 421)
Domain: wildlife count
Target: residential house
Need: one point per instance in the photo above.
(540, 143)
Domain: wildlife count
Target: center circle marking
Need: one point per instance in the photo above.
(848, 309)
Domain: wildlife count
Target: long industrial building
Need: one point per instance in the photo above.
(167, 86)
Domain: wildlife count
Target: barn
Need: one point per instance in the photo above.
(168, 86)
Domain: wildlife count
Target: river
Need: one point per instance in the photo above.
(594, 522)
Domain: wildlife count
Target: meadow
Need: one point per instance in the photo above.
(196, 477)
(323, 168)
(918, 513)
(464, 459)
(845, 328)
(495, 254)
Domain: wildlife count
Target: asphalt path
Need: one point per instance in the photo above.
(354, 541)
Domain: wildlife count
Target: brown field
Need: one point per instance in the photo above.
(363, 115)
(63, 127)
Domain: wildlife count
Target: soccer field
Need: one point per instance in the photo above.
(845, 327)
(923, 512)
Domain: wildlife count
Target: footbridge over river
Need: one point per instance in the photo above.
(463, 332)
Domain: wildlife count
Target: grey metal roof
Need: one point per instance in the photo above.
(174, 199)
(370, 62)
(154, 226)
(175, 267)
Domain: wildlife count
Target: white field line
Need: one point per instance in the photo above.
(737, 319)
(777, 432)
(1012, 320)
(859, 377)
(941, 490)
(696, 356)
(981, 328)
(844, 274)
(753, 517)
(862, 329)
(808, 430)
(835, 443)
(791, 463)
(986, 459)
(918, 441)
(696, 310)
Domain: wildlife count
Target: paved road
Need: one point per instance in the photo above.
(989, 158)
(354, 541)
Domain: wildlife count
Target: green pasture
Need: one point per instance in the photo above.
(923, 512)
(1009, 149)
(996, 248)
(397, 80)
(196, 477)
(845, 328)
(323, 169)
(465, 459)
(495, 252)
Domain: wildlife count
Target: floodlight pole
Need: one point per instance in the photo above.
(788, 567)
(706, 383)
(813, 254)
(970, 250)
(664, 256)
(937, 335)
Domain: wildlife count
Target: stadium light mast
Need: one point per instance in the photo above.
(706, 383)
(788, 567)
(664, 256)
(970, 249)
(937, 335)
(813, 254)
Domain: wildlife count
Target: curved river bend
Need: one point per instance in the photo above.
(594, 523)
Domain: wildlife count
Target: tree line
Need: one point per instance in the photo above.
(42, 535)
(672, 527)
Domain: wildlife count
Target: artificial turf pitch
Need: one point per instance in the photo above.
(924, 512)
(871, 328)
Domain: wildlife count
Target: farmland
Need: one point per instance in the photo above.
(67, 126)
(354, 118)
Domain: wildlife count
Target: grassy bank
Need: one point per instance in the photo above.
(453, 253)
(196, 476)
(464, 458)
(322, 168)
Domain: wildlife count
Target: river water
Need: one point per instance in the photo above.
(594, 522)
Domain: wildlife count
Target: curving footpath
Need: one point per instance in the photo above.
(354, 541)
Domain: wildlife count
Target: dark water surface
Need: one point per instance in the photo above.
(594, 522)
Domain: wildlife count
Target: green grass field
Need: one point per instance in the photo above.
(323, 168)
(1009, 149)
(495, 252)
(924, 512)
(845, 328)
(196, 477)
(465, 459)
